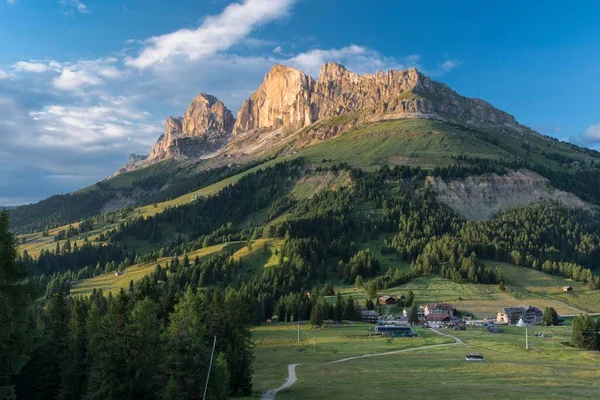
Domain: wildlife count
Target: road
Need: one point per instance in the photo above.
(271, 394)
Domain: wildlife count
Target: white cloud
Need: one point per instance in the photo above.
(34, 67)
(215, 34)
(75, 6)
(591, 134)
(96, 127)
(277, 50)
(71, 80)
(3, 75)
(11, 2)
(449, 65)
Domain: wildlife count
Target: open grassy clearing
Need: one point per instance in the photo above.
(276, 346)
(313, 183)
(549, 370)
(259, 256)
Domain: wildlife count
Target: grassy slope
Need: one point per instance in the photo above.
(524, 286)
(261, 255)
(111, 283)
(548, 370)
(413, 142)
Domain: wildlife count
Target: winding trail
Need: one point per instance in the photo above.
(271, 394)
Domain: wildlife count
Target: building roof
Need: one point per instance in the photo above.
(393, 328)
(367, 313)
(440, 306)
(437, 317)
(513, 310)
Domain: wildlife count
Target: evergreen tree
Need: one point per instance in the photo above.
(338, 310)
(413, 316)
(74, 363)
(316, 317)
(16, 335)
(144, 350)
(550, 317)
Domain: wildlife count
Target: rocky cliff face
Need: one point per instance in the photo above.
(288, 97)
(480, 197)
(204, 128)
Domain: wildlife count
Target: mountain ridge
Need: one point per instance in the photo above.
(288, 100)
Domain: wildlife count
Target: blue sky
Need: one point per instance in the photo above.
(85, 83)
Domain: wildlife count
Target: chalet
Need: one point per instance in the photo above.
(437, 320)
(394, 330)
(439, 308)
(400, 297)
(567, 288)
(369, 316)
(533, 315)
(118, 273)
(197, 197)
(387, 301)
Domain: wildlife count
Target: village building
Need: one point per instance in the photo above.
(387, 301)
(394, 330)
(439, 308)
(367, 315)
(437, 320)
(567, 288)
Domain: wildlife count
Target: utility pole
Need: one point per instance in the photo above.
(298, 330)
(315, 343)
(209, 367)
(526, 339)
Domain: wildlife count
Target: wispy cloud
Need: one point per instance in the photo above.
(449, 65)
(75, 6)
(216, 33)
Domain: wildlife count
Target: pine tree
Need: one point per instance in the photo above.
(338, 309)
(144, 350)
(413, 316)
(74, 363)
(16, 334)
(316, 317)
(550, 317)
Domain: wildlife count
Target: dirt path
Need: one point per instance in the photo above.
(271, 394)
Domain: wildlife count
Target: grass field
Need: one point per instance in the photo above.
(277, 346)
(548, 370)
